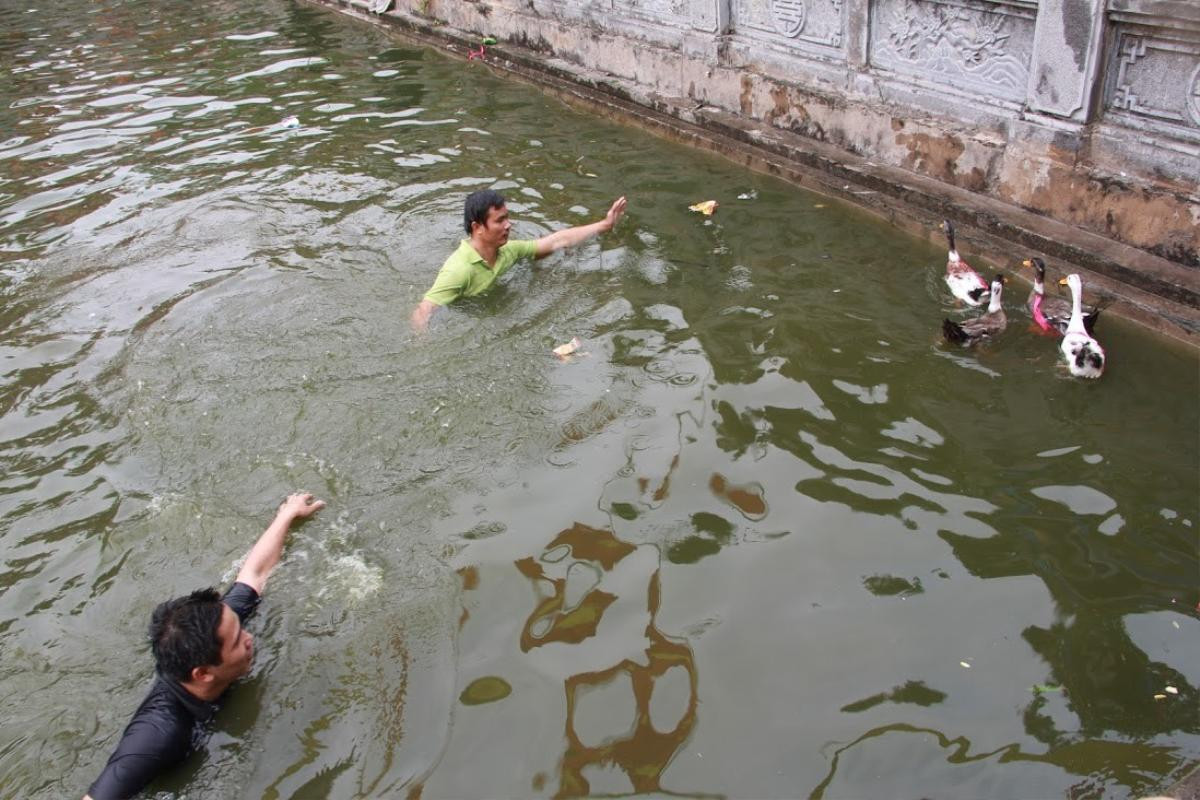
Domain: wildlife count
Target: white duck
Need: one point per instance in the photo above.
(1084, 355)
(964, 282)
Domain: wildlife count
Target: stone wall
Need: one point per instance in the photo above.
(1085, 111)
(1068, 129)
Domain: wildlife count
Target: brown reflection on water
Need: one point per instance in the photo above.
(747, 498)
(470, 581)
(1133, 764)
(641, 752)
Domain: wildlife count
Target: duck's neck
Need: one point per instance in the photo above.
(994, 303)
(1076, 323)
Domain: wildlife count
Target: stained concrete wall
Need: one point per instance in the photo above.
(1083, 112)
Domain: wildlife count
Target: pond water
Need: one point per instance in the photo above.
(766, 537)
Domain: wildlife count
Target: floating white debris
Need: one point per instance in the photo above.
(750, 195)
(964, 665)
(1160, 697)
(1171, 690)
(564, 350)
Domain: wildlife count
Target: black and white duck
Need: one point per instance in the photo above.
(964, 282)
(988, 324)
(1052, 314)
(1084, 355)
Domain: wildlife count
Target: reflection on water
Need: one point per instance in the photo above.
(639, 744)
(901, 569)
(1129, 764)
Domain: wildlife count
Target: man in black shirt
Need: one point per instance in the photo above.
(200, 648)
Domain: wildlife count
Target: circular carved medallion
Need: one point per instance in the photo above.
(789, 16)
(1193, 99)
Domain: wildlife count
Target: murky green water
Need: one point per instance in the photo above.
(767, 538)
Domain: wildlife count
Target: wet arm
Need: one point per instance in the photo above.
(569, 237)
(263, 557)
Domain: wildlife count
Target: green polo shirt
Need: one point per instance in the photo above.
(466, 274)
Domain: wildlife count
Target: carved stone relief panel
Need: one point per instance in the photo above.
(1153, 76)
(792, 24)
(980, 46)
(700, 15)
(696, 14)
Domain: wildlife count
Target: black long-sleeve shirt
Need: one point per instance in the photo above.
(165, 727)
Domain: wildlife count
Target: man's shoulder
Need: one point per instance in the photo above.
(158, 736)
(461, 256)
(243, 599)
(513, 251)
(161, 727)
(164, 710)
(519, 248)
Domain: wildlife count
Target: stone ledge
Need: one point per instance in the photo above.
(1153, 291)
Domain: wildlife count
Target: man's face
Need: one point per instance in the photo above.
(237, 647)
(495, 230)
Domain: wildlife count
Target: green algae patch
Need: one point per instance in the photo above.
(488, 689)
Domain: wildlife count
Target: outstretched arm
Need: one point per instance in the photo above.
(263, 557)
(570, 237)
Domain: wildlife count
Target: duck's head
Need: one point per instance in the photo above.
(1038, 266)
(997, 287)
(949, 230)
(1073, 281)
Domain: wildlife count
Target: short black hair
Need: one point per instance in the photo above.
(183, 633)
(476, 207)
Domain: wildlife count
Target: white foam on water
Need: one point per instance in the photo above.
(250, 37)
(350, 577)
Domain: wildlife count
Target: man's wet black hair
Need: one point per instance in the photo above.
(183, 633)
(475, 209)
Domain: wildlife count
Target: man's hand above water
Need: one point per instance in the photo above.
(569, 237)
(614, 213)
(263, 557)
(300, 504)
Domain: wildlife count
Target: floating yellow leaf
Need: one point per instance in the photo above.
(706, 208)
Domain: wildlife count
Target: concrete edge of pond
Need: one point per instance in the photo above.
(1188, 787)
(1151, 291)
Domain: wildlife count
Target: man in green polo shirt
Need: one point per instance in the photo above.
(487, 254)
